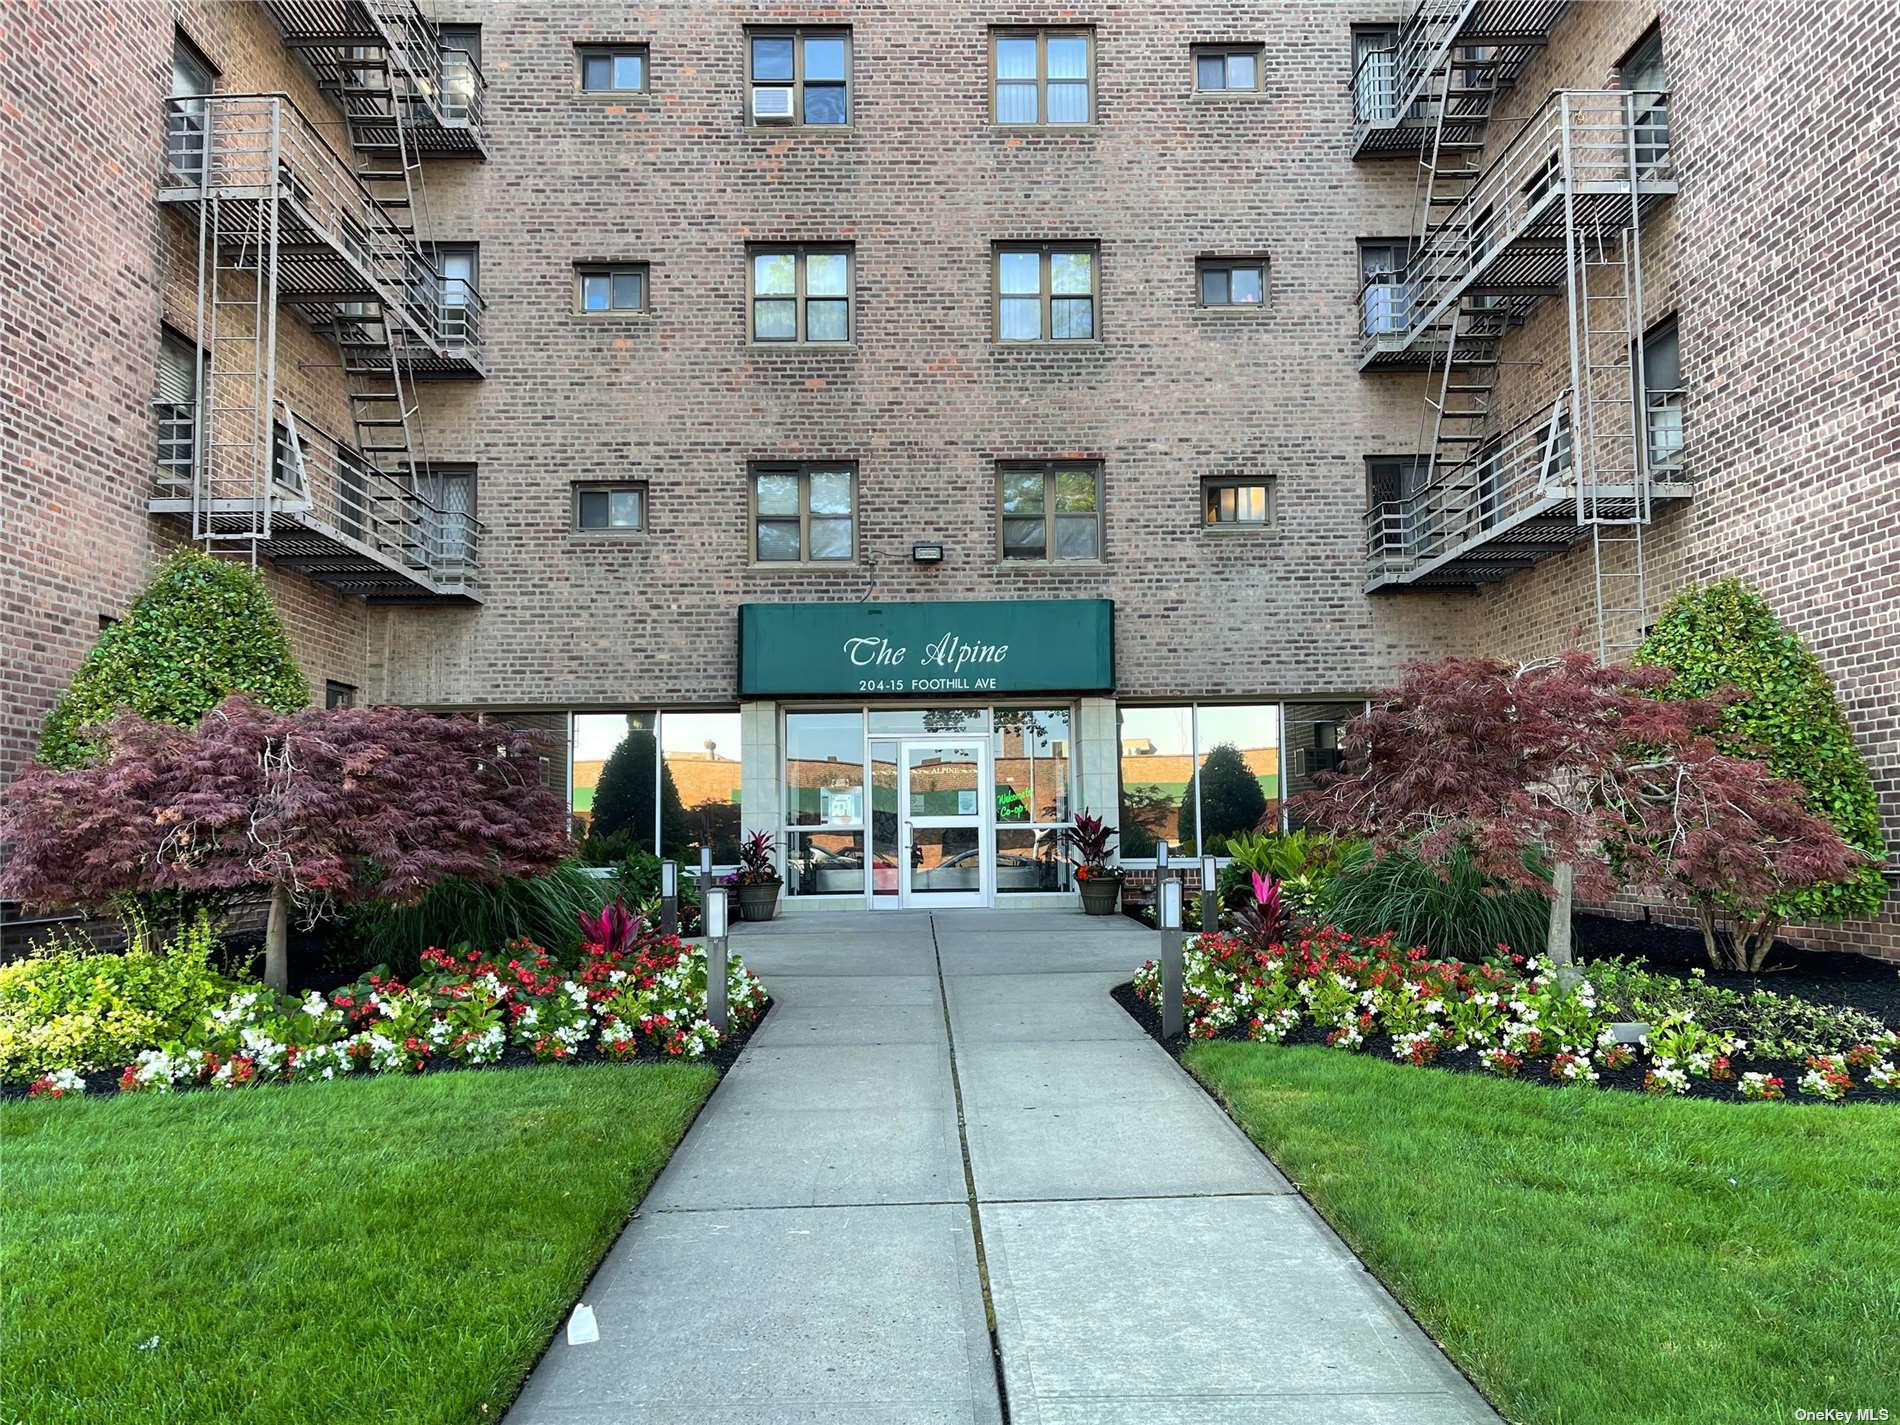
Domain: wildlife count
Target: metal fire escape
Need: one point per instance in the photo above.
(283, 220)
(1557, 210)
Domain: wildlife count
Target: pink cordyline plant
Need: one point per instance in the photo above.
(615, 929)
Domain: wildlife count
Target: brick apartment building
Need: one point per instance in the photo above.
(911, 424)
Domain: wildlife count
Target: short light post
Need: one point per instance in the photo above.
(669, 898)
(705, 881)
(1210, 903)
(1161, 874)
(713, 909)
(1173, 1017)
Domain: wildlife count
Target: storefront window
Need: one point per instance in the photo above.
(1315, 733)
(1157, 765)
(1197, 776)
(612, 784)
(1031, 769)
(699, 785)
(1238, 760)
(824, 787)
(884, 876)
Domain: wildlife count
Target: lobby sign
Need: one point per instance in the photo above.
(956, 648)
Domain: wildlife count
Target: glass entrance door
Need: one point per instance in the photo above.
(944, 857)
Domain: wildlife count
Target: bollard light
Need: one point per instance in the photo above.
(1210, 903)
(669, 898)
(1173, 998)
(1171, 905)
(705, 865)
(1161, 855)
(715, 911)
(715, 950)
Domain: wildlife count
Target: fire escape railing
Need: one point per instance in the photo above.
(325, 484)
(246, 145)
(1522, 472)
(1388, 82)
(1578, 140)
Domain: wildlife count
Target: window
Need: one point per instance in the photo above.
(599, 291)
(801, 77)
(824, 803)
(699, 786)
(467, 39)
(804, 512)
(619, 506)
(1051, 510)
(1642, 73)
(1392, 478)
(1228, 282)
(1662, 398)
(1043, 76)
(613, 69)
(801, 294)
(1226, 69)
(180, 374)
(1385, 306)
(338, 695)
(460, 267)
(192, 79)
(1030, 766)
(1046, 292)
(1195, 776)
(449, 521)
(1374, 72)
(1236, 504)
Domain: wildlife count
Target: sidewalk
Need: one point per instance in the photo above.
(818, 1248)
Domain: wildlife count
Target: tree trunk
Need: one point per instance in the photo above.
(1563, 880)
(1711, 939)
(277, 940)
(1753, 941)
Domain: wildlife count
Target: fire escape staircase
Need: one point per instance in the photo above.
(1557, 211)
(1436, 83)
(283, 221)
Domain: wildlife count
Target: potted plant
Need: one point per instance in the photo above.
(757, 878)
(1099, 881)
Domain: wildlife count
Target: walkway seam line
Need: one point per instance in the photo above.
(969, 1184)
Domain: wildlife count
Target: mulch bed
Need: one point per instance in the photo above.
(1821, 976)
(1535, 1071)
(722, 1058)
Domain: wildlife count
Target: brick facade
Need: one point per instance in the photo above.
(1777, 270)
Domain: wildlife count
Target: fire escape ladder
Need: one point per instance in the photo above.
(1450, 164)
(384, 411)
(1611, 465)
(232, 478)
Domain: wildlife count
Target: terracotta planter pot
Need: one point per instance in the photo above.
(1100, 895)
(758, 902)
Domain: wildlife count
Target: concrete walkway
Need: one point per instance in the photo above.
(944, 1124)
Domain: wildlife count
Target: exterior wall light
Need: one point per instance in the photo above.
(929, 553)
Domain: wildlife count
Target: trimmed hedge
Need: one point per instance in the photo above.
(1725, 635)
(203, 629)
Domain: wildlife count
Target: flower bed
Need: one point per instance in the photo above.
(1510, 1018)
(629, 998)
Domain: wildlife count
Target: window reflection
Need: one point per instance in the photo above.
(699, 785)
(612, 784)
(1157, 765)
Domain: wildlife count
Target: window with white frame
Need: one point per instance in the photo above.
(665, 782)
(824, 803)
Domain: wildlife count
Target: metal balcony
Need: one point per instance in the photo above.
(1437, 83)
(1571, 172)
(329, 514)
(1519, 498)
(254, 172)
(385, 62)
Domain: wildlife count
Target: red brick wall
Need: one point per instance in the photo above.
(89, 265)
(1777, 256)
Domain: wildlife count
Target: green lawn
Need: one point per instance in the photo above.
(1590, 1257)
(375, 1250)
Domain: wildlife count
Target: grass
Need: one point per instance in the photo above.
(378, 1250)
(1589, 1257)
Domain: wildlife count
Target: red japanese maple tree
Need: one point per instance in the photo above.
(323, 805)
(1583, 765)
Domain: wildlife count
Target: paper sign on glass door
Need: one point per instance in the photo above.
(966, 802)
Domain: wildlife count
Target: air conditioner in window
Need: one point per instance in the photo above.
(772, 104)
